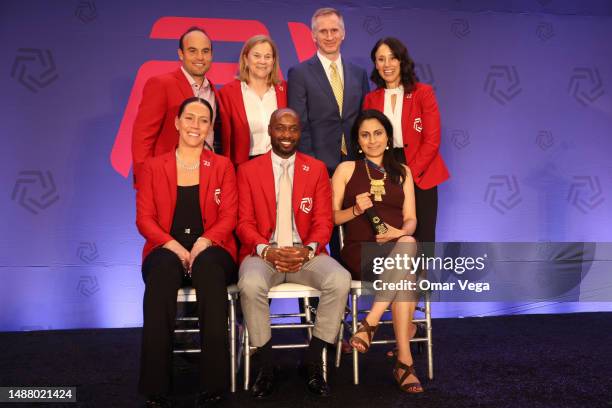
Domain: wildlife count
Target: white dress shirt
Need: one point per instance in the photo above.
(205, 92)
(258, 112)
(327, 66)
(395, 115)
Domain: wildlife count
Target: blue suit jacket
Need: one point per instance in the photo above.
(311, 96)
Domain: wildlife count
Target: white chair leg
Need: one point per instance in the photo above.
(324, 363)
(430, 371)
(232, 325)
(247, 358)
(308, 316)
(355, 354)
(339, 343)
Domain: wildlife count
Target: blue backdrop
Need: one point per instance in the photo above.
(523, 88)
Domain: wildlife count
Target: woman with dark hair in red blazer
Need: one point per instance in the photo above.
(186, 210)
(248, 101)
(412, 109)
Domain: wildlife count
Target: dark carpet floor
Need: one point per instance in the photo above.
(513, 361)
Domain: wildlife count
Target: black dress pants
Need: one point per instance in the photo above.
(426, 205)
(162, 273)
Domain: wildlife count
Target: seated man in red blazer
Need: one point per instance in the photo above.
(154, 132)
(285, 221)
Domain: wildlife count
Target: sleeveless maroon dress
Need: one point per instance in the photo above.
(358, 229)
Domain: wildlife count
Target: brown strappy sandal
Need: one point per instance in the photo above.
(364, 327)
(410, 388)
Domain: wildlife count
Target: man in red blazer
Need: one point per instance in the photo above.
(285, 221)
(154, 132)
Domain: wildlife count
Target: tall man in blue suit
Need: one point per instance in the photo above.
(327, 91)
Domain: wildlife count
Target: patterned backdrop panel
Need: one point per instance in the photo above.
(524, 92)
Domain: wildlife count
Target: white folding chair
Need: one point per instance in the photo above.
(286, 291)
(357, 290)
(188, 295)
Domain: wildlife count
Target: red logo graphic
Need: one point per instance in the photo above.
(220, 30)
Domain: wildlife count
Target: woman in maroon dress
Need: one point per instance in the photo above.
(376, 180)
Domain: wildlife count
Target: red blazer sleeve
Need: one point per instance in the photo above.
(228, 209)
(146, 211)
(247, 223)
(148, 123)
(226, 124)
(322, 223)
(430, 115)
(367, 102)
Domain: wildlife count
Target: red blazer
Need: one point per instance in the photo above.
(156, 200)
(154, 132)
(312, 206)
(420, 131)
(235, 132)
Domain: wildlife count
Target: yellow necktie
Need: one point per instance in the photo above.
(338, 88)
(284, 223)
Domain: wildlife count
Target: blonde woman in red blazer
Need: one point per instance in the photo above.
(418, 124)
(248, 101)
(187, 210)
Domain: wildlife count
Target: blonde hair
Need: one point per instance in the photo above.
(243, 73)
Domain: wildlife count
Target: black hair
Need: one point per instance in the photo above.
(190, 30)
(408, 77)
(395, 170)
(195, 99)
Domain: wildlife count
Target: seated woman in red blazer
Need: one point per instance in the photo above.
(412, 109)
(186, 210)
(247, 102)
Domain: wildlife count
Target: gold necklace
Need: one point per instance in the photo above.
(377, 186)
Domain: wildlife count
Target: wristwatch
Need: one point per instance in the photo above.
(311, 253)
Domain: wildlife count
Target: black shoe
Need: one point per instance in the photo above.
(158, 401)
(208, 399)
(314, 380)
(264, 383)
